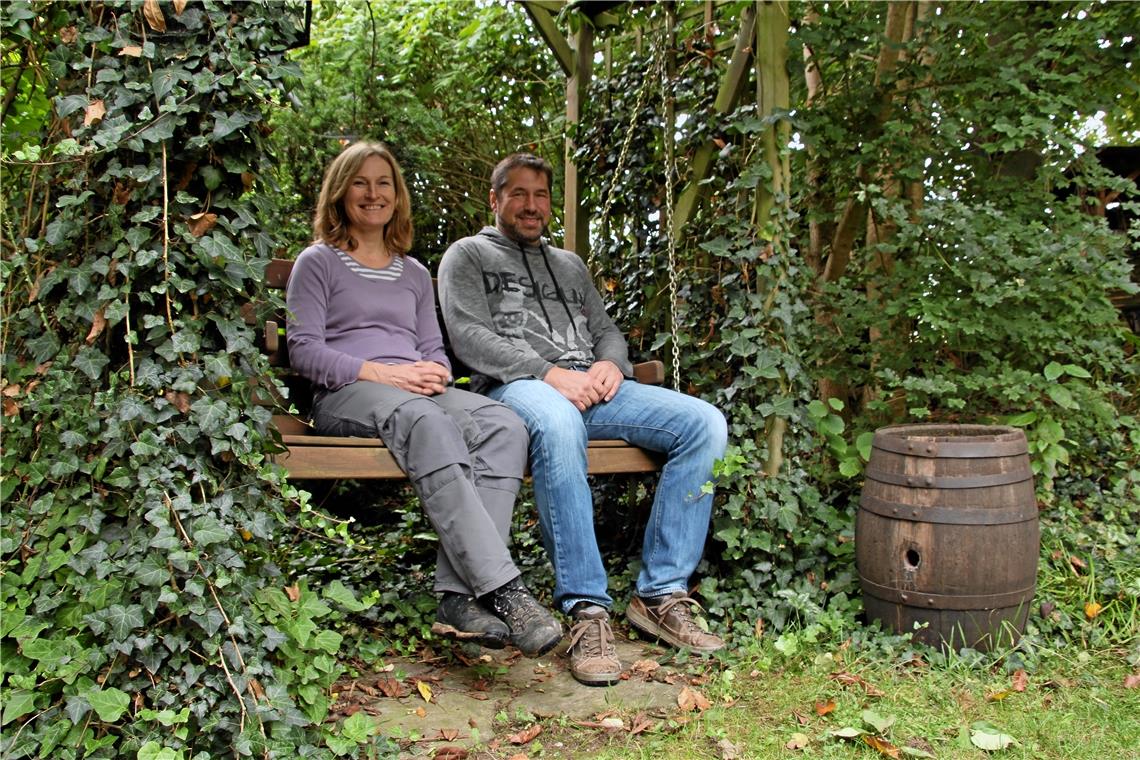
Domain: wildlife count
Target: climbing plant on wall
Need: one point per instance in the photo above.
(143, 615)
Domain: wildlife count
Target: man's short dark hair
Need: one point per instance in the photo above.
(521, 161)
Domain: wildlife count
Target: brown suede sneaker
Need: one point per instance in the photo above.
(593, 656)
(672, 621)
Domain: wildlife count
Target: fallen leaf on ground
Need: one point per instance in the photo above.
(424, 689)
(640, 723)
(1092, 609)
(998, 696)
(1020, 680)
(691, 699)
(728, 750)
(645, 667)
(798, 741)
(447, 734)
(850, 679)
(420, 712)
(823, 708)
(1132, 681)
(518, 756)
(526, 735)
(390, 687)
(883, 746)
(450, 752)
(985, 736)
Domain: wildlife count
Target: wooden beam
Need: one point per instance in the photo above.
(575, 222)
(539, 13)
(731, 87)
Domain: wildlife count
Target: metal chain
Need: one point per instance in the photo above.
(620, 167)
(669, 135)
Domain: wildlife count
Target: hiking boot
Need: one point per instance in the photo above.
(461, 617)
(593, 657)
(534, 630)
(671, 620)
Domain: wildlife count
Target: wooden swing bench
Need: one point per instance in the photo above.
(322, 457)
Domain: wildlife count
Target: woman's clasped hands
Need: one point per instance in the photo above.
(425, 378)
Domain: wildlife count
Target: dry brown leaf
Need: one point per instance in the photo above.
(759, 628)
(153, 13)
(10, 408)
(134, 51)
(424, 690)
(823, 708)
(691, 699)
(1020, 680)
(202, 222)
(802, 719)
(179, 6)
(883, 746)
(420, 712)
(645, 667)
(68, 35)
(450, 752)
(1092, 609)
(640, 724)
(850, 679)
(526, 736)
(728, 750)
(798, 741)
(448, 734)
(255, 688)
(293, 592)
(518, 756)
(390, 688)
(96, 110)
(1132, 681)
(1077, 563)
(10, 391)
(98, 324)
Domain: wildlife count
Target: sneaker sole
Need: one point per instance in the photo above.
(482, 638)
(596, 679)
(647, 626)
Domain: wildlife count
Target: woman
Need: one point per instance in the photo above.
(363, 330)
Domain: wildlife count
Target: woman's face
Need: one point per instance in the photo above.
(370, 199)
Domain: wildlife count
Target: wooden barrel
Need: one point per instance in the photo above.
(947, 534)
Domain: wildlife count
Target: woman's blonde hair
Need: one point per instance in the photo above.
(330, 222)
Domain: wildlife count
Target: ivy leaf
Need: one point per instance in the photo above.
(208, 530)
(109, 703)
(90, 361)
(337, 592)
(16, 703)
(123, 620)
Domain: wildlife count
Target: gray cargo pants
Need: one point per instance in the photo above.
(465, 456)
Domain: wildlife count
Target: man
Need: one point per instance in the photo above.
(529, 322)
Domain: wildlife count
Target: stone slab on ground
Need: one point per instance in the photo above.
(469, 690)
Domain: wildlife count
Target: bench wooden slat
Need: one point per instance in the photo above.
(323, 457)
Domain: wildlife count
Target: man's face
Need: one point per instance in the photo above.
(522, 207)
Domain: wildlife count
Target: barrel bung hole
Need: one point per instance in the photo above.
(912, 558)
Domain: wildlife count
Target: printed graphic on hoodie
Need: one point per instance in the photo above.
(515, 321)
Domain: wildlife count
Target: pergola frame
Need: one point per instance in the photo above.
(762, 45)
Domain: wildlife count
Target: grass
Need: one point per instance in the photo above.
(763, 706)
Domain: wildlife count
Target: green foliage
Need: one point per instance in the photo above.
(976, 287)
(142, 614)
(451, 87)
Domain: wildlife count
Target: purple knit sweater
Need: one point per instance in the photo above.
(338, 319)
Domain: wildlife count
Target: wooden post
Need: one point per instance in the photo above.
(575, 220)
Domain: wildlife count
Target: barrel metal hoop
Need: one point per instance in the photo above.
(923, 600)
(930, 481)
(952, 449)
(1007, 515)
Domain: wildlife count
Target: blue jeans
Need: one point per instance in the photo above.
(691, 432)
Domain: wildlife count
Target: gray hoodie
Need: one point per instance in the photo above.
(515, 311)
